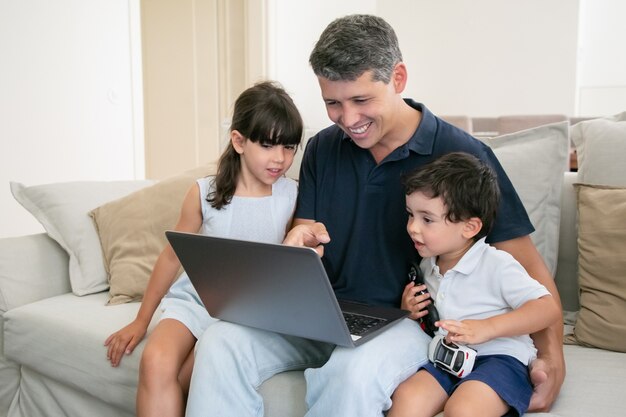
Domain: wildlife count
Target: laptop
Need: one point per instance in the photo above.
(277, 288)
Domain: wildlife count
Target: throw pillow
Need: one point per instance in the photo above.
(601, 268)
(535, 161)
(600, 147)
(132, 232)
(62, 209)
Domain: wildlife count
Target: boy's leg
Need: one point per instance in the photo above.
(359, 382)
(475, 398)
(420, 395)
(232, 361)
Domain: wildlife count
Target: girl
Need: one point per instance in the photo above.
(249, 198)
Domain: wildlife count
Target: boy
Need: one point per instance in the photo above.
(484, 297)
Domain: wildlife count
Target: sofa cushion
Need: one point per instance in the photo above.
(594, 384)
(535, 160)
(602, 267)
(600, 148)
(63, 337)
(132, 231)
(62, 209)
(23, 281)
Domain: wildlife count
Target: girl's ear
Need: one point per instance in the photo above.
(237, 139)
(472, 227)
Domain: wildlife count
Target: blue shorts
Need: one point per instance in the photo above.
(504, 374)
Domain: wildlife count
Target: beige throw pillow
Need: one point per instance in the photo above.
(602, 268)
(62, 209)
(132, 232)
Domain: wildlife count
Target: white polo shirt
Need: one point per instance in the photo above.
(486, 282)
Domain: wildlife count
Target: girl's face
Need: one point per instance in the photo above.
(262, 164)
(431, 232)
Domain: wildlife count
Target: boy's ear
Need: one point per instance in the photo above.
(237, 140)
(472, 227)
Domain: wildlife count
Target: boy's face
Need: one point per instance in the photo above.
(365, 109)
(431, 232)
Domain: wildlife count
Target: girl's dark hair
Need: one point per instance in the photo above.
(263, 113)
(468, 186)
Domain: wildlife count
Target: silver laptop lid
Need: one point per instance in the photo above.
(268, 286)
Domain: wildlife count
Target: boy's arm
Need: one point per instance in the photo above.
(530, 317)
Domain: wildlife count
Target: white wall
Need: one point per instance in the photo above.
(70, 96)
(488, 57)
(602, 57)
(294, 27)
(480, 57)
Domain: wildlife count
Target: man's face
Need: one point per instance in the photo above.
(362, 108)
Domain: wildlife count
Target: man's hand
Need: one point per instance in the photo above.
(310, 234)
(547, 380)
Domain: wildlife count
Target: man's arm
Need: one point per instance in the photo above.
(548, 370)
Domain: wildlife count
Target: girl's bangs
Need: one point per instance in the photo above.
(275, 127)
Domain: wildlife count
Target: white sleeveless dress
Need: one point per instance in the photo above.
(263, 219)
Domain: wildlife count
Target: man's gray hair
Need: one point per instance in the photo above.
(353, 44)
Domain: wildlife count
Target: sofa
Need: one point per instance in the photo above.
(64, 291)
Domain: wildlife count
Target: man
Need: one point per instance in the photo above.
(351, 201)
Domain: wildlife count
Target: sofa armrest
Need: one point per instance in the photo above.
(32, 267)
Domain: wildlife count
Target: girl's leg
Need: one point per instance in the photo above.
(159, 391)
(475, 398)
(184, 377)
(419, 396)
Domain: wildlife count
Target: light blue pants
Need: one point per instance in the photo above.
(232, 361)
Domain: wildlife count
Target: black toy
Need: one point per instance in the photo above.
(428, 321)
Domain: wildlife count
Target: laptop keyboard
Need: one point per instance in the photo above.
(359, 324)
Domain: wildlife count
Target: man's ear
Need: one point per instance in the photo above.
(237, 140)
(472, 227)
(399, 77)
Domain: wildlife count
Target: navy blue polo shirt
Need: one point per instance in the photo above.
(363, 205)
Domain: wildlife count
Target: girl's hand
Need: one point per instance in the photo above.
(467, 332)
(124, 341)
(415, 304)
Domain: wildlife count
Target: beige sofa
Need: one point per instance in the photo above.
(53, 359)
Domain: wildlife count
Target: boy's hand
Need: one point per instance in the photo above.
(415, 304)
(466, 332)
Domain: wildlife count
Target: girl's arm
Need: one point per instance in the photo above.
(163, 275)
(531, 317)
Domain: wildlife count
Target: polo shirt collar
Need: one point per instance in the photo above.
(423, 139)
(468, 262)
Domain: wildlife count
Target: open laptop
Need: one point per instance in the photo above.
(275, 287)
